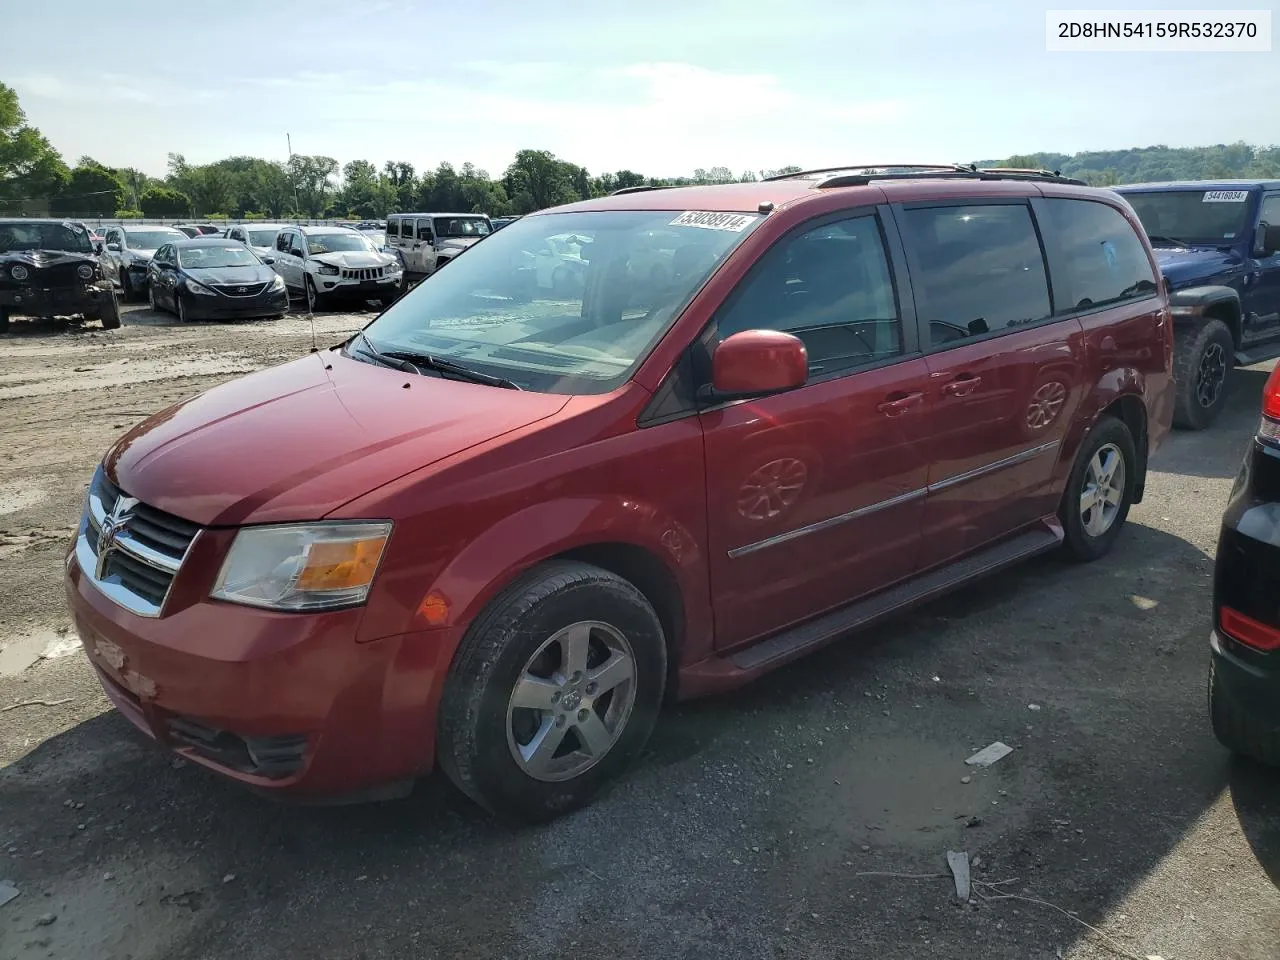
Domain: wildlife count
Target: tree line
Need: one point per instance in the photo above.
(34, 178)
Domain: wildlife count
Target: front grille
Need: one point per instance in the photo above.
(364, 273)
(146, 549)
(54, 275)
(240, 289)
(273, 757)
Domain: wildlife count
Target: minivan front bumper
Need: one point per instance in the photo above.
(290, 704)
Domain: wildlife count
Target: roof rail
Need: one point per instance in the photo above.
(850, 167)
(637, 190)
(959, 173)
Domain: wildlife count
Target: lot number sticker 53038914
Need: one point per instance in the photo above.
(1226, 196)
(733, 222)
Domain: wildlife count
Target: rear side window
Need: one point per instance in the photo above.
(1103, 261)
(831, 287)
(979, 270)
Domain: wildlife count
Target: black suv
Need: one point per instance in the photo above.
(1218, 245)
(49, 268)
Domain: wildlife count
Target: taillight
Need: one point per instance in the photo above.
(1269, 428)
(1248, 631)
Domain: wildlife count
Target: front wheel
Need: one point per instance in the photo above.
(1204, 356)
(126, 286)
(553, 692)
(180, 302)
(4, 320)
(314, 301)
(109, 312)
(1099, 491)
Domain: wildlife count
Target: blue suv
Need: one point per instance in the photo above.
(1218, 246)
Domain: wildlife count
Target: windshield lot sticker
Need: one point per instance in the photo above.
(1226, 196)
(733, 222)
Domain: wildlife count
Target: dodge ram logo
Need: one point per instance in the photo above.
(113, 524)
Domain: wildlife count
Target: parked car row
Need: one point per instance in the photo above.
(494, 531)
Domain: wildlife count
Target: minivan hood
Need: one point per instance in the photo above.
(297, 441)
(1185, 265)
(352, 258)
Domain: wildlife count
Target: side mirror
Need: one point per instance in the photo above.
(268, 260)
(1267, 239)
(754, 363)
(113, 247)
(98, 248)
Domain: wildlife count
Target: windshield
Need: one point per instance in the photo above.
(1201, 217)
(206, 258)
(563, 303)
(346, 241)
(151, 239)
(44, 236)
(263, 238)
(462, 227)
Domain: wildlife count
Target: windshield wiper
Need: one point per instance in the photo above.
(1160, 238)
(411, 361)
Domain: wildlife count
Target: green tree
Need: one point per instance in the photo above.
(157, 201)
(29, 166)
(92, 191)
(313, 178)
(536, 180)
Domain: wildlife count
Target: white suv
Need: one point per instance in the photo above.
(326, 263)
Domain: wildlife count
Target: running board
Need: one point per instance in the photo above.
(1256, 353)
(814, 633)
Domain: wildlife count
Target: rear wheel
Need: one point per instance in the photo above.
(109, 312)
(553, 692)
(1099, 491)
(1236, 729)
(1204, 356)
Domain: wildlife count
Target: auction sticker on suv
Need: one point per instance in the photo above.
(1226, 196)
(734, 222)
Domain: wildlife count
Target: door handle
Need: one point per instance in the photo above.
(961, 386)
(898, 403)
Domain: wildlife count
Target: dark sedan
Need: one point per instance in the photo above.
(212, 278)
(1244, 680)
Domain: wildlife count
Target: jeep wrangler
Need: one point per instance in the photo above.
(48, 268)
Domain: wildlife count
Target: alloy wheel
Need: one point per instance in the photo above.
(1103, 493)
(572, 701)
(1211, 375)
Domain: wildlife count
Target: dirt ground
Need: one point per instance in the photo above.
(808, 816)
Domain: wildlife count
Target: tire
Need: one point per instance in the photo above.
(387, 301)
(1089, 535)
(4, 320)
(1237, 730)
(1203, 358)
(109, 314)
(151, 299)
(180, 305)
(480, 730)
(127, 293)
(315, 301)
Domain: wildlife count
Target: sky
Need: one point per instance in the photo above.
(661, 86)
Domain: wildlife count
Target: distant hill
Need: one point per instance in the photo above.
(1145, 164)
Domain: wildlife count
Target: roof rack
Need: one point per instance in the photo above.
(850, 167)
(857, 175)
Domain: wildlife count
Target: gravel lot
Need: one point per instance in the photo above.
(760, 824)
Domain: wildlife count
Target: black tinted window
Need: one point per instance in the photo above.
(831, 287)
(1103, 259)
(980, 269)
(1270, 213)
(424, 230)
(282, 240)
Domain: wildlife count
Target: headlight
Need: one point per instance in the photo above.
(302, 566)
(200, 288)
(394, 267)
(277, 283)
(84, 272)
(19, 272)
(327, 270)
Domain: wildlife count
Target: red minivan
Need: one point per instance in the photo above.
(644, 446)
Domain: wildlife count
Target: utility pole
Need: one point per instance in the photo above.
(292, 179)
